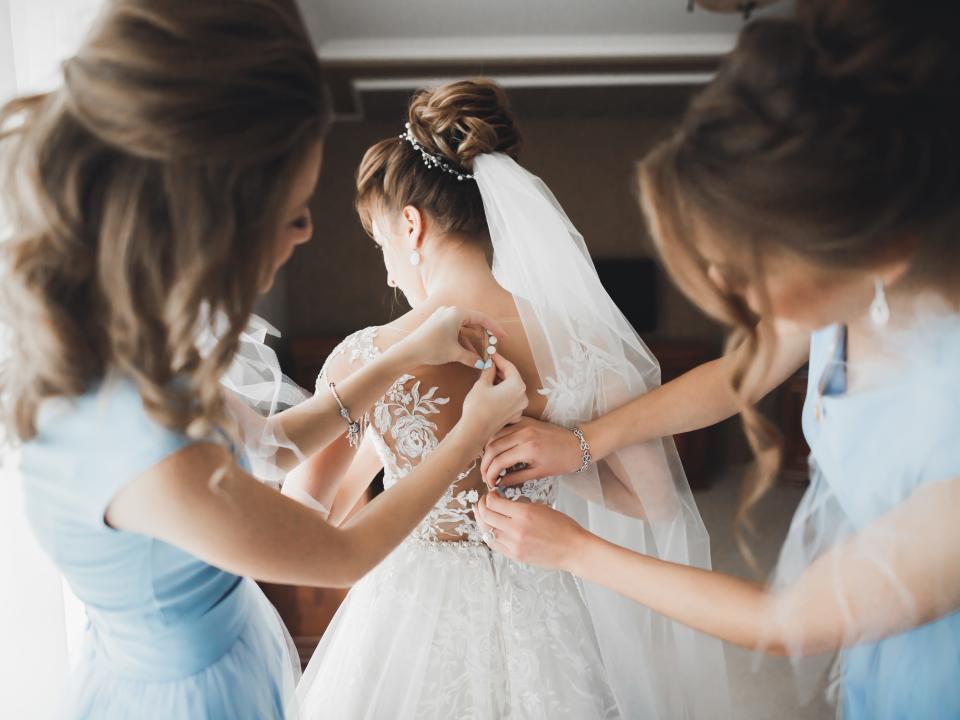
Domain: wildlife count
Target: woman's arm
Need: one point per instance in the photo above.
(312, 425)
(200, 501)
(898, 573)
(334, 478)
(697, 399)
(355, 484)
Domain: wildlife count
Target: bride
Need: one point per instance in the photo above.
(444, 628)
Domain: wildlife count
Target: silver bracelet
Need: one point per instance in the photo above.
(584, 448)
(354, 427)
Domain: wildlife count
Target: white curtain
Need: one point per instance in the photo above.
(39, 618)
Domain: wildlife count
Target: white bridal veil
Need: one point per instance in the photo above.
(591, 361)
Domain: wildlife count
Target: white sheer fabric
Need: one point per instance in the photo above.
(258, 390)
(39, 617)
(592, 361)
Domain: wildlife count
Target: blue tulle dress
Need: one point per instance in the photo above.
(168, 636)
(871, 449)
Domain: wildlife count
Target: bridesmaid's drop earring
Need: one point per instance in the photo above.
(879, 310)
(415, 258)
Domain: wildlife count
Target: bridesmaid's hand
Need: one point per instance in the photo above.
(531, 533)
(499, 396)
(545, 449)
(440, 338)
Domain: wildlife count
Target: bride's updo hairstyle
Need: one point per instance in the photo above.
(456, 123)
(145, 195)
(832, 137)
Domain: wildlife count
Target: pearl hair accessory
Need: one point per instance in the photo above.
(431, 160)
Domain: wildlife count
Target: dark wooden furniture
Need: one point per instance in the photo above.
(794, 467)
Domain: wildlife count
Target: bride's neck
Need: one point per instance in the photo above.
(457, 269)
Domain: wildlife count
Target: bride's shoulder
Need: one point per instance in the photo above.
(351, 353)
(364, 345)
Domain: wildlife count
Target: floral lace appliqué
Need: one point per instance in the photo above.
(404, 434)
(360, 348)
(571, 390)
(404, 413)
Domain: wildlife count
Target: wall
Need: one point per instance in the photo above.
(583, 142)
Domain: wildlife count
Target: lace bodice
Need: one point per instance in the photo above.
(407, 424)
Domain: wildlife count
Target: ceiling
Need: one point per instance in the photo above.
(366, 29)
(390, 46)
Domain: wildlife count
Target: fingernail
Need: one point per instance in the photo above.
(487, 365)
(480, 365)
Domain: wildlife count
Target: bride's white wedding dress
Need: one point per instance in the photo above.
(444, 628)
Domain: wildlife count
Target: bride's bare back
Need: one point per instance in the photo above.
(421, 407)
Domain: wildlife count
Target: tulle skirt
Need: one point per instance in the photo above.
(451, 630)
(254, 679)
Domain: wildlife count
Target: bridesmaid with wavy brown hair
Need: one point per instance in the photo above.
(160, 188)
(811, 199)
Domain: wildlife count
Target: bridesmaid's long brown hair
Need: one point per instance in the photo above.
(143, 196)
(833, 137)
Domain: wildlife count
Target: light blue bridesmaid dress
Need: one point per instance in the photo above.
(870, 449)
(168, 636)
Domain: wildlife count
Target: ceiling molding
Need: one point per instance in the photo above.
(521, 48)
(364, 85)
(348, 81)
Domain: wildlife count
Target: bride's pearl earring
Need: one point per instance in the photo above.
(415, 258)
(879, 310)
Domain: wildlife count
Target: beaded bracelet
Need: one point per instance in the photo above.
(584, 448)
(354, 427)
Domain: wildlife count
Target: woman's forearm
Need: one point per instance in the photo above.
(696, 399)
(239, 524)
(732, 609)
(315, 423)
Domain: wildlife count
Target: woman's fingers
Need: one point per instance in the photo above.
(510, 429)
(473, 318)
(532, 533)
(519, 477)
(502, 506)
(488, 375)
(506, 369)
(494, 448)
(498, 469)
(491, 518)
(507, 373)
(468, 356)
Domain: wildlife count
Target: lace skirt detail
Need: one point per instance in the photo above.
(450, 630)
